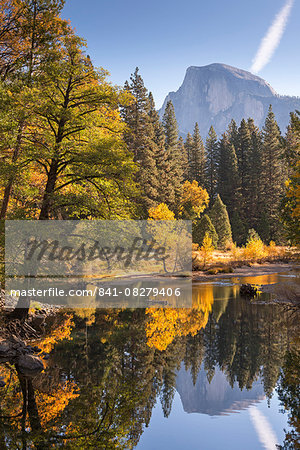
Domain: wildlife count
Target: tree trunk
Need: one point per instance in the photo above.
(50, 186)
(21, 310)
(30, 408)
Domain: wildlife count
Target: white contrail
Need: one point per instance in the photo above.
(266, 435)
(272, 39)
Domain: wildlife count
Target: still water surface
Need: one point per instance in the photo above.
(224, 375)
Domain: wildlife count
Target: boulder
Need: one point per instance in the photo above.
(247, 290)
(5, 346)
(36, 349)
(29, 363)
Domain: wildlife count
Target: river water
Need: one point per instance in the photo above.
(224, 375)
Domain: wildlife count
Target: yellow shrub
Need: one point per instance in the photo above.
(255, 249)
(271, 250)
(195, 247)
(236, 252)
(206, 249)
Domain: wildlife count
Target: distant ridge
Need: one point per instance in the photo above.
(217, 93)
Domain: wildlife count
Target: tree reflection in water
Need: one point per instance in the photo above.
(101, 382)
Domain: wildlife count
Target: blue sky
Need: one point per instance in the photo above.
(164, 37)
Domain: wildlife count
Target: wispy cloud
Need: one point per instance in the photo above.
(263, 428)
(272, 39)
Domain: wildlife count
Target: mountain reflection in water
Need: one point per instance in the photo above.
(108, 369)
(217, 397)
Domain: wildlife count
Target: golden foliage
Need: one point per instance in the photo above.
(50, 405)
(206, 249)
(60, 333)
(11, 402)
(202, 255)
(255, 249)
(165, 324)
(88, 314)
(161, 212)
(271, 250)
(194, 200)
(236, 252)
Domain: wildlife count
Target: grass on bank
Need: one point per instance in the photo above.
(215, 261)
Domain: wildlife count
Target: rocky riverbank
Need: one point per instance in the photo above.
(14, 351)
(250, 270)
(285, 293)
(16, 336)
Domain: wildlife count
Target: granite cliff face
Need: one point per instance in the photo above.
(217, 93)
(215, 398)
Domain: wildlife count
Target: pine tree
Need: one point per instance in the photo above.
(290, 204)
(140, 140)
(228, 177)
(211, 166)
(292, 144)
(273, 181)
(201, 227)
(189, 143)
(243, 154)
(220, 220)
(255, 200)
(159, 137)
(230, 182)
(210, 343)
(197, 158)
(233, 134)
(183, 158)
(136, 115)
(164, 189)
(252, 235)
(194, 355)
(239, 228)
(175, 174)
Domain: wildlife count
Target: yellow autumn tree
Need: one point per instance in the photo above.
(255, 248)
(29, 32)
(206, 249)
(161, 212)
(163, 229)
(51, 395)
(52, 403)
(165, 324)
(193, 201)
